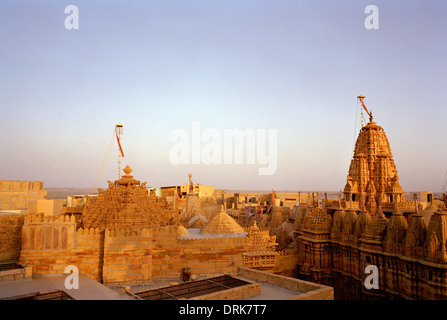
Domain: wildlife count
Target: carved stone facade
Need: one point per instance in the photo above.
(336, 243)
(128, 236)
(126, 205)
(372, 173)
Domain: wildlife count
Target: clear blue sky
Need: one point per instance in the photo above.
(156, 66)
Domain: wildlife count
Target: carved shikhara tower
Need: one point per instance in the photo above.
(372, 174)
(374, 225)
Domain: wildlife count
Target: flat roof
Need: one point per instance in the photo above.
(89, 289)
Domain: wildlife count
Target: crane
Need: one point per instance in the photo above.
(119, 132)
(364, 107)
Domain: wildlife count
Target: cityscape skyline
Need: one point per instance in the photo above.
(291, 66)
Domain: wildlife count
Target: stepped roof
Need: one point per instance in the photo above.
(222, 223)
(125, 204)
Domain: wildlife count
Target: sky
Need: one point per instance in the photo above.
(289, 67)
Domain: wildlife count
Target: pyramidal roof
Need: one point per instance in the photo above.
(222, 223)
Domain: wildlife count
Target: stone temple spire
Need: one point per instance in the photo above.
(372, 172)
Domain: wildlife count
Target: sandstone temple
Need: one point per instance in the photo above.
(131, 234)
(374, 225)
(125, 235)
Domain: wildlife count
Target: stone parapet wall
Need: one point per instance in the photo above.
(48, 233)
(238, 293)
(15, 274)
(307, 290)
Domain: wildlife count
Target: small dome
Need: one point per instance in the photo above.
(396, 230)
(417, 231)
(349, 222)
(437, 236)
(222, 223)
(181, 231)
(339, 217)
(377, 227)
(363, 219)
(318, 219)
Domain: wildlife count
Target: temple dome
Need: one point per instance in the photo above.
(437, 236)
(363, 219)
(396, 231)
(222, 223)
(349, 222)
(416, 235)
(337, 226)
(377, 228)
(317, 219)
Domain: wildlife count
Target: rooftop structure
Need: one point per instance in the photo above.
(126, 205)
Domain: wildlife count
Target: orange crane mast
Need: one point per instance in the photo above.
(364, 107)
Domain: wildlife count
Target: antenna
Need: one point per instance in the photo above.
(119, 132)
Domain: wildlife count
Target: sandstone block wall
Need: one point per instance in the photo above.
(205, 256)
(16, 194)
(10, 235)
(286, 263)
(127, 257)
(15, 274)
(51, 207)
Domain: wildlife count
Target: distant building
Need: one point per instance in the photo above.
(15, 194)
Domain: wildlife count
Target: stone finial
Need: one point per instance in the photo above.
(127, 170)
